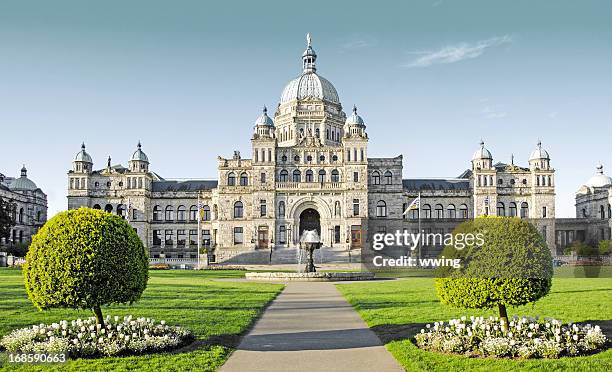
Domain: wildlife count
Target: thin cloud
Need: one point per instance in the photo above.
(458, 52)
(358, 42)
(493, 112)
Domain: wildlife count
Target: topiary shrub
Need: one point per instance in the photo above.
(84, 259)
(513, 266)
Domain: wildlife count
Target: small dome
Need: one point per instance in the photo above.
(354, 119)
(599, 179)
(139, 155)
(23, 183)
(539, 153)
(482, 153)
(264, 119)
(83, 155)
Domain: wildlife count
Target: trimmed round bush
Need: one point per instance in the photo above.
(512, 267)
(84, 259)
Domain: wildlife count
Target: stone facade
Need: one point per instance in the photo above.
(29, 207)
(309, 168)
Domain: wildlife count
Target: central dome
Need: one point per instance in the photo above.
(309, 84)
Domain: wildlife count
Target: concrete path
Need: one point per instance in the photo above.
(310, 327)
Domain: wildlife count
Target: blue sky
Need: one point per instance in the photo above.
(188, 79)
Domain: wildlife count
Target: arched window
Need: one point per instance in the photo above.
(381, 209)
(238, 210)
(463, 211)
(283, 176)
(181, 213)
(439, 211)
(501, 209)
(231, 179)
(512, 209)
(375, 178)
(281, 209)
(206, 213)
(426, 211)
(609, 211)
(244, 179)
(297, 176)
(157, 213)
(337, 208)
(602, 212)
(169, 214)
(388, 177)
(452, 213)
(549, 181)
(335, 176)
(108, 208)
(317, 132)
(321, 176)
(524, 210)
(39, 215)
(309, 176)
(21, 215)
(97, 206)
(193, 213)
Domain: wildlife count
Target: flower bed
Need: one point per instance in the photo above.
(526, 338)
(85, 338)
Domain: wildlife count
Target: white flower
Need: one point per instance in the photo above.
(529, 334)
(575, 337)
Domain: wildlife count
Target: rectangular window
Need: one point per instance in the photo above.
(193, 237)
(206, 238)
(157, 239)
(355, 207)
(282, 234)
(238, 235)
(337, 234)
(355, 176)
(169, 237)
(180, 238)
(263, 178)
(543, 212)
(262, 208)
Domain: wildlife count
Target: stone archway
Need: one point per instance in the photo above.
(310, 219)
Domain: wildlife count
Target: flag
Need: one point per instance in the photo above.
(416, 203)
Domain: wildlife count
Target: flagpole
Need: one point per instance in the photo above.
(420, 240)
(199, 230)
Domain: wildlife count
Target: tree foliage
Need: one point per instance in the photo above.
(85, 258)
(512, 267)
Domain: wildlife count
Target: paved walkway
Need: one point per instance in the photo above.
(310, 327)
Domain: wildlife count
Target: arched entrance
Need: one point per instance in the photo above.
(310, 220)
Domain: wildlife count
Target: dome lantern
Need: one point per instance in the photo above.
(539, 158)
(482, 158)
(599, 179)
(139, 161)
(82, 161)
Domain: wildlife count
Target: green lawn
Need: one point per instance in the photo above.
(396, 310)
(217, 312)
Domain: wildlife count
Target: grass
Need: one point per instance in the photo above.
(218, 313)
(396, 310)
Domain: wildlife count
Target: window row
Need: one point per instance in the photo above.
(181, 238)
(439, 211)
(168, 214)
(243, 179)
(376, 178)
(309, 158)
(513, 210)
(296, 176)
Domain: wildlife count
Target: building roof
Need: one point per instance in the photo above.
(139, 155)
(187, 185)
(22, 183)
(599, 179)
(436, 184)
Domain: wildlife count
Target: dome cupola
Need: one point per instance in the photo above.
(264, 125)
(599, 179)
(82, 161)
(139, 161)
(23, 183)
(539, 158)
(354, 125)
(482, 158)
(309, 84)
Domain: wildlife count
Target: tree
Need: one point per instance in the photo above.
(512, 267)
(84, 259)
(6, 220)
